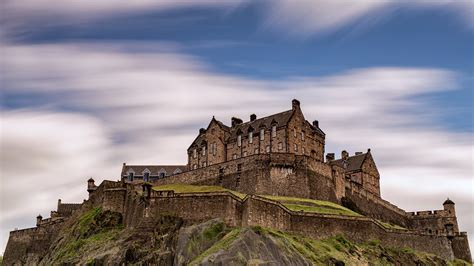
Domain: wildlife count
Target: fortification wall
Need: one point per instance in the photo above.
(198, 207)
(27, 246)
(370, 205)
(460, 246)
(255, 210)
(433, 221)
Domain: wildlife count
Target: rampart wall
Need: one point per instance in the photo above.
(254, 210)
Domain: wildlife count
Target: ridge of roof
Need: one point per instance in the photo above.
(353, 162)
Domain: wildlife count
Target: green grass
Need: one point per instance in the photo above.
(310, 205)
(184, 188)
(392, 226)
(223, 243)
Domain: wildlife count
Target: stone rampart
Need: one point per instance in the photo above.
(255, 210)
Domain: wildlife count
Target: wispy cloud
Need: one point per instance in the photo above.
(97, 106)
(307, 18)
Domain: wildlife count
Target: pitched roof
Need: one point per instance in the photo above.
(354, 163)
(280, 118)
(154, 169)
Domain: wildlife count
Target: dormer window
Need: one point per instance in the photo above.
(130, 177)
(262, 134)
(162, 173)
(274, 131)
(239, 140)
(251, 137)
(146, 177)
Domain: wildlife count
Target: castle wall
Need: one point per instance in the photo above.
(310, 144)
(27, 246)
(198, 207)
(460, 246)
(258, 211)
(358, 199)
(433, 221)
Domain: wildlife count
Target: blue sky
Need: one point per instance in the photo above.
(87, 86)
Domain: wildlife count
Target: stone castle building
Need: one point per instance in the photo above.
(280, 155)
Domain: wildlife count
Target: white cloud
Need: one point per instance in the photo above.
(305, 18)
(147, 107)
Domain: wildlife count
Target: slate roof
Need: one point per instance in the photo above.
(281, 119)
(448, 201)
(154, 169)
(354, 163)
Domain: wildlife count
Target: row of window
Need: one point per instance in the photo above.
(146, 176)
(262, 136)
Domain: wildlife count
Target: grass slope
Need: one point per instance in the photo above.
(184, 188)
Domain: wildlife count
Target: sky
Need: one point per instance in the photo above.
(86, 86)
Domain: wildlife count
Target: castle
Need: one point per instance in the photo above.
(279, 155)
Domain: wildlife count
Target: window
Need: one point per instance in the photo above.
(302, 150)
(239, 167)
(280, 146)
(245, 154)
(214, 149)
(234, 156)
(255, 151)
(162, 175)
(274, 131)
(130, 177)
(194, 153)
(262, 134)
(294, 132)
(267, 148)
(296, 148)
(239, 140)
(204, 164)
(146, 177)
(195, 166)
(302, 136)
(203, 150)
(251, 137)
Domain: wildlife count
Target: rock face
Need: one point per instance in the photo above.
(98, 237)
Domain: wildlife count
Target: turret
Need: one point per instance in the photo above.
(39, 218)
(448, 206)
(91, 185)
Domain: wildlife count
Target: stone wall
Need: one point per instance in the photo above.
(254, 210)
(26, 246)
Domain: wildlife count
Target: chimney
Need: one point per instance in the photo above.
(202, 131)
(295, 104)
(330, 157)
(344, 155)
(236, 121)
(253, 117)
(316, 123)
(358, 153)
(39, 218)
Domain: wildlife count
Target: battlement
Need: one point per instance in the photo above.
(430, 213)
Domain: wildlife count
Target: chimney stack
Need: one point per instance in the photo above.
(236, 121)
(295, 104)
(202, 131)
(316, 123)
(330, 157)
(39, 218)
(344, 155)
(253, 117)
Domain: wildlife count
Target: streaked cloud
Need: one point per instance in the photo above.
(92, 107)
(305, 18)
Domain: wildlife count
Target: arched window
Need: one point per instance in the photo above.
(262, 134)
